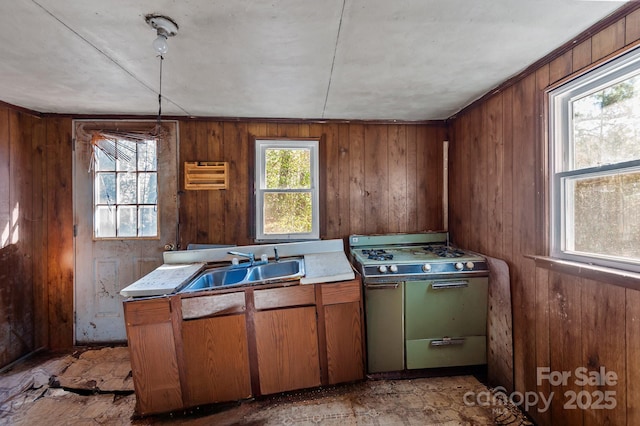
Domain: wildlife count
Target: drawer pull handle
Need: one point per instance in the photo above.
(382, 286)
(449, 284)
(447, 341)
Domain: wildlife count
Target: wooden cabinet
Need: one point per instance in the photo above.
(154, 363)
(343, 329)
(190, 350)
(216, 356)
(286, 339)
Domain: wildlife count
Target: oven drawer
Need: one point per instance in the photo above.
(448, 307)
(445, 352)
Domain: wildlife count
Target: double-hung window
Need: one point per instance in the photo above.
(595, 166)
(286, 190)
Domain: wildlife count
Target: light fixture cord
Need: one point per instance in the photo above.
(160, 94)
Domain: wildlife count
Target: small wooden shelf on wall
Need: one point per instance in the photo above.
(206, 175)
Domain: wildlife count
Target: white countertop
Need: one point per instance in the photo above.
(325, 261)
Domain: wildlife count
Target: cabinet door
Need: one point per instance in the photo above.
(343, 324)
(343, 329)
(287, 347)
(216, 359)
(154, 364)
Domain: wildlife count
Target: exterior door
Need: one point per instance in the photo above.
(125, 209)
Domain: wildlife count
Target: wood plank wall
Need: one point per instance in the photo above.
(498, 207)
(36, 226)
(376, 178)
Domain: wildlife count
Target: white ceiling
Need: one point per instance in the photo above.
(319, 59)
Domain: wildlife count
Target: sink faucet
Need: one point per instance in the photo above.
(249, 256)
(275, 254)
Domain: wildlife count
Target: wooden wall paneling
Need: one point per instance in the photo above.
(288, 130)
(582, 55)
(343, 169)
(397, 179)
(507, 178)
(423, 198)
(461, 178)
(356, 179)
(216, 225)
(272, 130)
(59, 232)
(565, 337)
(331, 181)
(411, 163)
(478, 183)
(608, 40)
(632, 355)
(632, 27)
(236, 151)
(542, 345)
(39, 170)
(6, 248)
(561, 67)
(202, 197)
(492, 117)
(454, 155)
(432, 215)
(188, 213)
(376, 179)
(541, 211)
(22, 295)
(603, 322)
(304, 130)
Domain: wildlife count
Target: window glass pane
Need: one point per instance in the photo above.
(127, 188)
(288, 168)
(127, 221)
(148, 188)
(605, 219)
(127, 156)
(287, 212)
(106, 188)
(103, 161)
(606, 125)
(105, 219)
(147, 156)
(148, 220)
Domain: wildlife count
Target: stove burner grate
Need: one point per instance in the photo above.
(445, 251)
(377, 254)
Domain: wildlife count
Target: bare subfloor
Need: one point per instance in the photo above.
(94, 387)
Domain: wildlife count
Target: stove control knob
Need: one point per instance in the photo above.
(426, 267)
(469, 265)
(382, 268)
(393, 268)
(459, 266)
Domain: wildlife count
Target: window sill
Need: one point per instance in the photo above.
(607, 275)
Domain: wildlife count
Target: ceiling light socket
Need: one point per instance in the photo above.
(165, 26)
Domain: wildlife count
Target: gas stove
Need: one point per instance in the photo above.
(406, 257)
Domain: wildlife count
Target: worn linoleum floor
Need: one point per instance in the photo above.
(94, 387)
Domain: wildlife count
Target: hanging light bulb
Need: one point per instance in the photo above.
(160, 44)
(165, 27)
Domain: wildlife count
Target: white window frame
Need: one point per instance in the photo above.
(261, 146)
(561, 152)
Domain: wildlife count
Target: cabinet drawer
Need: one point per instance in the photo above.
(285, 296)
(150, 311)
(219, 304)
(432, 353)
(344, 292)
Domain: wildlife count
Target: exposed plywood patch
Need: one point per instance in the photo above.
(104, 370)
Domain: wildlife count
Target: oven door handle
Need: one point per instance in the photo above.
(447, 341)
(390, 286)
(443, 285)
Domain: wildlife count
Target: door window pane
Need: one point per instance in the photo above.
(126, 191)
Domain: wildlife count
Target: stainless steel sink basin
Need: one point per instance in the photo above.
(289, 269)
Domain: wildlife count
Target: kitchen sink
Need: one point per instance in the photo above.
(237, 275)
